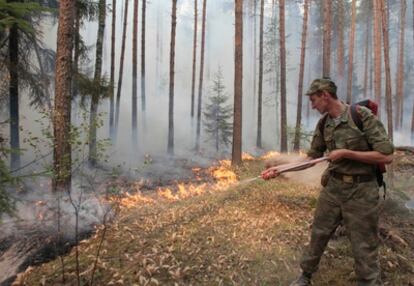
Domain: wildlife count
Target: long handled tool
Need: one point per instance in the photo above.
(289, 167)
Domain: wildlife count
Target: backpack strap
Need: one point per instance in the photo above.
(355, 116)
(322, 124)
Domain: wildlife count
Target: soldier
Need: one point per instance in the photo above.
(350, 191)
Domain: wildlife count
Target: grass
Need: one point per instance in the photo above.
(251, 234)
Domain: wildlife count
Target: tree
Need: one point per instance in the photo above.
(283, 119)
(134, 75)
(143, 96)
(377, 54)
(97, 85)
(260, 91)
(327, 32)
(217, 114)
(62, 111)
(200, 80)
(340, 29)
(170, 147)
(236, 158)
(351, 54)
(400, 70)
(194, 58)
(121, 67)
(388, 90)
(112, 76)
(296, 141)
(18, 35)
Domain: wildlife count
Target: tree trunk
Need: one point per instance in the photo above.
(61, 115)
(283, 119)
(93, 120)
(254, 53)
(112, 76)
(400, 70)
(135, 76)
(236, 157)
(121, 68)
(171, 96)
(259, 102)
(194, 58)
(14, 97)
(367, 55)
(200, 84)
(327, 23)
(340, 28)
(143, 28)
(296, 143)
(412, 115)
(388, 90)
(76, 56)
(351, 54)
(377, 55)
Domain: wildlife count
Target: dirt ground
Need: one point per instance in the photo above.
(248, 234)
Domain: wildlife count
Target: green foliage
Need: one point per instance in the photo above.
(17, 13)
(6, 179)
(90, 87)
(217, 114)
(305, 136)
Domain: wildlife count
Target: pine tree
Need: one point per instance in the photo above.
(217, 114)
(62, 111)
(236, 158)
(170, 147)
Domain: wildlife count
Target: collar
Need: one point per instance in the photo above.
(343, 117)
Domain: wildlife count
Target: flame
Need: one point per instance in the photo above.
(247, 157)
(167, 194)
(269, 155)
(130, 201)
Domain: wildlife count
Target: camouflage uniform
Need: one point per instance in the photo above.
(350, 193)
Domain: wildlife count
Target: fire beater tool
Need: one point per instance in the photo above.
(288, 168)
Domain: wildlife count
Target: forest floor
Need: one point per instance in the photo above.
(248, 234)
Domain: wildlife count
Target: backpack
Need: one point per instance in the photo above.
(373, 106)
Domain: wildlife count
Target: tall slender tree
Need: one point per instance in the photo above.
(260, 91)
(135, 76)
(388, 90)
(400, 70)
(121, 67)
(340, 29)
(367, 52)
(327, 33)
(143, 29)
(200, 80)
(283, 115)
(236, 157)
(351, 54)
(377, 54)
(112, 76)
(194, 58)
(62, 110)
(14, 96)
(412, 115)
(170, 147)
(93, 120)
(296, 142)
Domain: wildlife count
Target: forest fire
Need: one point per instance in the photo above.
(269, 155)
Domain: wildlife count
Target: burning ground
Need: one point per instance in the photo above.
(218, 232)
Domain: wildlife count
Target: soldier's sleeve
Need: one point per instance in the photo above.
(318, 145)
(375, 132)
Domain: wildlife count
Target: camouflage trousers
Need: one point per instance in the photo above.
(356, 205)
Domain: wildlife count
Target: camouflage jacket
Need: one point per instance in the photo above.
(346, 135)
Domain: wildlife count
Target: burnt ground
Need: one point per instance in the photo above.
(248, 234)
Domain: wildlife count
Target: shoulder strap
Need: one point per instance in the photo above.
(355, 116)
(322, 124)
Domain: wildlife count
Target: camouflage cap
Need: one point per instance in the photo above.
(322, 84)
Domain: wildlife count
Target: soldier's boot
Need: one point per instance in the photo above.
(303, 280)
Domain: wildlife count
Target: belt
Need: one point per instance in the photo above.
(352, 178)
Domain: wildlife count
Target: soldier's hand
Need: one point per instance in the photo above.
(337, 154)
(270, 173)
